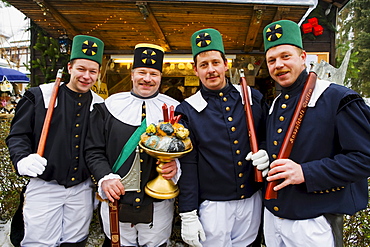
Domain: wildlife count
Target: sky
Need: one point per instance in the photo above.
(11, 21)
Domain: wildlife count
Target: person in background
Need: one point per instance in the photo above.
(175, 93)
(58, 201)
(219, 202)
(144, 221)
(326, 173)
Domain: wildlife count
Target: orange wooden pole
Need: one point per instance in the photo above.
(295, 124)
(250, 124)
(49, 114)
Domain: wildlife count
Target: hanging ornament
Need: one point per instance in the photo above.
(312, 26)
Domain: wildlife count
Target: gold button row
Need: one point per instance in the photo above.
(328, 191)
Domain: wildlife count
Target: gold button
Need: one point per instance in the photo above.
(230, 119)
(283, 106)
(77, 136)
(276, 208)
(80, 95)
(73, 179)
(137, 206)
(242, 186)
(221, 94)
(76, 157)
(143, 114)
(141, 150)
(79, 104)
(141, 160)
(233, 128)
(240, 174)
(286, 96)
(275, 143)
(240, 163)
(242, 197)
(139, 191)
(274, 156)
(75, 168)
(144, 106)
(137, 200)
(327, 191)
(236, 142)
(237, 151)
(77, 125)
(224, 99)
(281, 118)
(227, 108)
(279, 130)
(77, 146)
(333, 190)
(78, 114)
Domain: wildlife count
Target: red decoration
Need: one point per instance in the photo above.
(313, 21)
(312, 26)
(307, 28)
(318, 30)
(171, 118)
(165, 113)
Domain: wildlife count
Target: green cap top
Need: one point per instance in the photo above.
(149, 56)
(87, 47)
(206, 40)
(283, 32)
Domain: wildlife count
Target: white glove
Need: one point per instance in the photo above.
(192, 229)
(32, 165)
(260, 160)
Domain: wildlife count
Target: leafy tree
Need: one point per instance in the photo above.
(355, 33)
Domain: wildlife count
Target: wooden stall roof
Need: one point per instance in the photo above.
(123, 24)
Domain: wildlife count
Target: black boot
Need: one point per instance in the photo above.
(79, 244)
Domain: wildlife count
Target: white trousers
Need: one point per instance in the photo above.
(151, 235)
(54, 214)
(231, 223)
(280, 232)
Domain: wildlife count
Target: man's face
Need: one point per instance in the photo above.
(211, 69)
(84, 74)
(285, 63)
(145, 81)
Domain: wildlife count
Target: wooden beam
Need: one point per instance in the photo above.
(58, 17)
(253, 28)
(153, 24)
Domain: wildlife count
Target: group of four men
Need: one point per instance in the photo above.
(220, 204)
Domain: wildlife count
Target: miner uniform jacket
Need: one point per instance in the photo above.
(332, 146)
(216, 169)
(112, 124)
(67, 132)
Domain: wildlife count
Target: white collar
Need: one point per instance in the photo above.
(47, 90)
(127, 108)
(319, 89)
(199, 103)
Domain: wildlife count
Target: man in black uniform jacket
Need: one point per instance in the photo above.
(59, 196)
